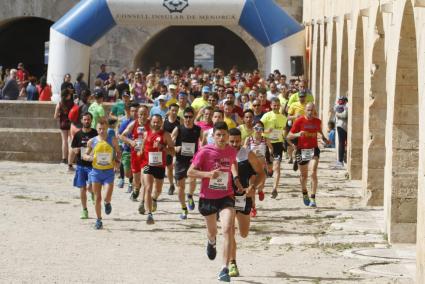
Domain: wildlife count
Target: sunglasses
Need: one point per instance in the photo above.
(211, 100)
(258, 128)
(188, 116)
(255, 105)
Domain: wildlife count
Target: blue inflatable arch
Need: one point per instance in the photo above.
(72, 36)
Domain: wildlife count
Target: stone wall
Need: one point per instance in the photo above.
(383, 74)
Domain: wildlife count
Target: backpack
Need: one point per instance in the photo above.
(74, 113)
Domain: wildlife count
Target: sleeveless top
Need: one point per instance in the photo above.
(137, 134)
(169, 126)
(259, 148)
(245, 132)
(245, 170)
(210, 138)
(103, 153)
(188, 140)
(152, 156)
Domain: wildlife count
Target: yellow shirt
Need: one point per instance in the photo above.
(199, 103)
(230, 123)
(274, 124)
(171, 101)
(297, 108)
(295, 98)
(245, 133)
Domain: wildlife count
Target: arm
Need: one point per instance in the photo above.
(123, 137)
(169, 143)
(117, 150)
(204, 138)
(269, 145)
(234, 169)
(196, 173)
(87, 155)
(56, 115)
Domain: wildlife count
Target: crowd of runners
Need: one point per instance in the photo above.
(227, 131)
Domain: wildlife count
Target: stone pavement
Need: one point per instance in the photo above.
(44, 241)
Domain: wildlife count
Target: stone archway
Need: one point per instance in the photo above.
(375, 118)
(329, 71)
(22, 39)
(356, 105)
(174, 46)
(401, 174)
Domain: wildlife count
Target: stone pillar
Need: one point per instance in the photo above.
(375, 115)
(314, 61)
(329, 78)
(319, 100)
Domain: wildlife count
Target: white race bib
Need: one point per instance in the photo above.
(104, 159)
(307, 154)
(260, 150)
(83, 150)
(138, 144)
(111, 93)
(221, 182)
(155, 159)
(188, 149)
(276, 134)
(240, 202)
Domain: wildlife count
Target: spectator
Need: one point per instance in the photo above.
(103, 75)
(44, 90)
(32, 93)
(61, 113)
(80, 85)
(11, 89)
(341, 116)
(67, 82)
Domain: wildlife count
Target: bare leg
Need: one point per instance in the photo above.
(181, 187)
(83, 197)
(64, 136)
(97, 187)
(315, 163)
(276, 174)
(147, 188)
(170, 174)
(244, 222)
(158, 188)
(303, 177)
(192, 185)
(227, 219)
(109, 191)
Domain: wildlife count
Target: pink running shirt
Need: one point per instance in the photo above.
(209, 158)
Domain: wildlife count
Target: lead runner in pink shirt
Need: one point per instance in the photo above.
(216, 165)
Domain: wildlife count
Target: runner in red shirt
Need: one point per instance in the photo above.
(157, 143)
(305, 130)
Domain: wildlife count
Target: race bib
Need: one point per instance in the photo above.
(240, 202)
(188, 149)
(221, 182)
(138, 145)
(83, 150)
(276, 134)
(155, 159)
(307, 154)
(260, 150)
(111, 93)
(104, 159)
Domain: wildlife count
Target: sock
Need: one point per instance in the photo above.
(184, 208)
(313, 196)
(121, 171)
(84, 209)
(233, 261)
(305, 192)
(189, 196)
(211, 242)
(153, 199)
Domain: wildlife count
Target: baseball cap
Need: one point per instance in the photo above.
(172, 86)
(205, 89)
(302, 94)
(162, 97)
(98, 93)
(125, 94)
(182, 94)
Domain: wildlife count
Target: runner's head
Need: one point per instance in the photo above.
(156, 122)
(102, 126)
(188, 115)
(133, 109)
(86, 119)
(258, 129)
(207, 113)
(248, 117)
(228, 108)
(221, 134)
(275, 105)
(310, 110)
(173, 110)
(218, 115)
(302, 96)
(143, 114)
(235, 138)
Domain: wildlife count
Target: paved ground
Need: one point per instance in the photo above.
(42, 239)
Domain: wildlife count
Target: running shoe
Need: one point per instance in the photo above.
(261, 195)
(64, 161)
(253, 212)
(224, 275)
(134, 195)
(233, 270)
(150, 220)
(306, 200)
(183, 215)
(274, 193)
(84, 214)
(108, 208)
(313, 203)
(98, 225)
(130, 188)
(171, 189)
(211, 251)
(120, 183)
(154, 205)
(291, 161)
(295, 167)
(142, 208)
(190, 203)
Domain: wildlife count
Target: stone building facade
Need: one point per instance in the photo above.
(373, 51)
(122, 46)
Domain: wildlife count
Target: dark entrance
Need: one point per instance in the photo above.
(174, 47)
(23, 40)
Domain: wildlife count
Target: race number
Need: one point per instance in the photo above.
(155, 159)
(221, 182)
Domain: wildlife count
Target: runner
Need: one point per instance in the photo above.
(305, 128)
(104, 153)
(295, 110)
(274, 124)
(125, 168)
(215, 165)
(156, 144)
(251, 176)
(136, 129)
(208, 136)
(247, 129)
(187, 142)
(170, 123)
(79, 146)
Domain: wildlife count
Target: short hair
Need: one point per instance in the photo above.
(85, 93)
(87, 114)
(173, 105)
(111, 121)
(208, 108)
(221, 125)
(135, 105)
(189, 110)
(157, 115)
(275, 100)
(235, 132)
(331, 124)
(228, 103)
(248, 111)
(219, 111)
(259, 122)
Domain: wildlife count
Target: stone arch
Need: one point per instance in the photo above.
(375, 117)
(356, 105)
(22, 39)
(402, 189)
(230, 49)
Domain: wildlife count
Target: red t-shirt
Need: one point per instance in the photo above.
(310, 127)
(152, 155)
(266, 107)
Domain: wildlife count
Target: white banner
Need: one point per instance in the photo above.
(176, 12)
